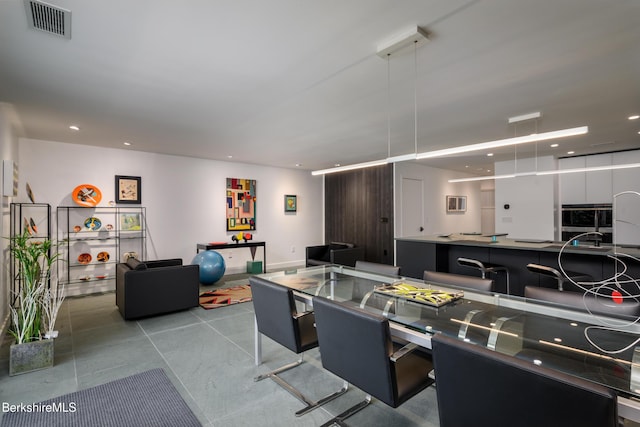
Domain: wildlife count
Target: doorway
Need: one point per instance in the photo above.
(412, 207)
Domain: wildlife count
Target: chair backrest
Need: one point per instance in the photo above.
(478, 386)
(356, 345)
(275, 311)
(374, 267)
(458, 280)
(628, 308)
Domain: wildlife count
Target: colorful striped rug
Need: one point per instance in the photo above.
(225, 296)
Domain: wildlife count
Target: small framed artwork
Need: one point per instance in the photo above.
(456, 204)
(290, 203)
(130, 222)
(128, 189)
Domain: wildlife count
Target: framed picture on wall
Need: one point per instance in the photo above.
(456, 204)
(241, 204)
(128, 189)
(290, 203)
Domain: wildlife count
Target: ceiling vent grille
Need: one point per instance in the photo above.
(48, 18)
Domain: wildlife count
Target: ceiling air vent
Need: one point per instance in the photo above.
(48, 18)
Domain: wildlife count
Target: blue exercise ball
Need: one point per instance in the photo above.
(212, 266)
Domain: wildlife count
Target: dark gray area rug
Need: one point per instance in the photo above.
(145, 399)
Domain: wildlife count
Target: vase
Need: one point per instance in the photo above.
(30, 356)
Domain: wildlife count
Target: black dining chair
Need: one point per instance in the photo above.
(278, 319)
(374, 267)
(356, 345)
(628, 308)
(520, 393)
(458, 280)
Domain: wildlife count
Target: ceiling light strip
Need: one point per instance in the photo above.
(505, 142)
(401, 158)
(550, 172)
(350, 167)
(482, 178)
(590, 169)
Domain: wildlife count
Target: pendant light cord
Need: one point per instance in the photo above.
(388, 106)
(415, 95)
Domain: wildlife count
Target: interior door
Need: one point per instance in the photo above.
(412, 207)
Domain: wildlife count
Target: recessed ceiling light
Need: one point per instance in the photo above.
(488, 170)
(489, 154)
(127, 143)
(229, 157)
(298, 165)
(570, 152)
(554, 145)
(337, 164)
(466, 166)
(634, 117)
(74, 127)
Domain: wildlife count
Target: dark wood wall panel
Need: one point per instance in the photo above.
(359, 209)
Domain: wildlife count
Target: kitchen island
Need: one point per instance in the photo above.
(440, 253)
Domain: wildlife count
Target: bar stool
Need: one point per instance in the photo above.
(556, 274)
(484, 267)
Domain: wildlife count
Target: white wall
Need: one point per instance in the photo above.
(184, 198)
(436, 188)
(9, 132)
(531, 199)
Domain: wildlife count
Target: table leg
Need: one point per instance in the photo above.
(257, 343)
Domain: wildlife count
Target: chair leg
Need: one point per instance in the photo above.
(279, 370)
(311, 405)
(339, 419)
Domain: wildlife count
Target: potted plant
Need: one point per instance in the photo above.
(35, 308)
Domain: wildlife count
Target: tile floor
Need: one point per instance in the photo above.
(208, 355)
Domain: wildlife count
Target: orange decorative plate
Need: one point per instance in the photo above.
(84, 258)
(86, 195)
(103, 256)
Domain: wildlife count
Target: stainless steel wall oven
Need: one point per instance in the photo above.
(582, 218)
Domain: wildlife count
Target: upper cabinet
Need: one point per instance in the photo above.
(626, 179)
(573, 186)
(598, 186)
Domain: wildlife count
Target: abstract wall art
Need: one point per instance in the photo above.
(241, 204)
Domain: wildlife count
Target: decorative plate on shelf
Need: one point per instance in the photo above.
(77, 228)
(93, 223)
(86, 195)
(84, 258)
(103, 256)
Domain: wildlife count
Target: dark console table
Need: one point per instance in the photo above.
(251, 245)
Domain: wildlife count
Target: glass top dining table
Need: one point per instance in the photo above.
(600, 349)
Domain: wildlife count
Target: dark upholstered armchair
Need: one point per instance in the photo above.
(155, 287)
(334, 253)
(519, 392)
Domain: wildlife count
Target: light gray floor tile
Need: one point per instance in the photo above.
(151, 325)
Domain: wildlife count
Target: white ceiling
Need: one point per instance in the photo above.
(286, 82)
